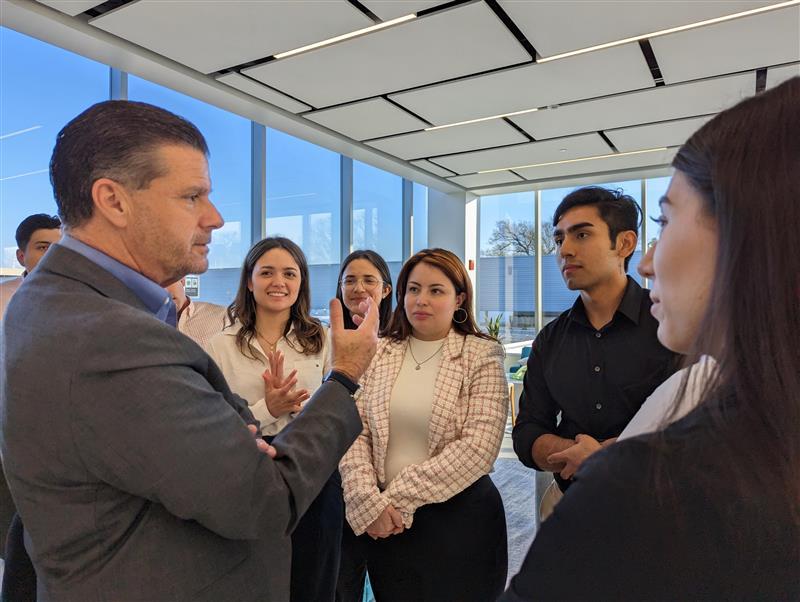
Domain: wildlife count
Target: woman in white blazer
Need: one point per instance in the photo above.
(434, 406)
(270, 326)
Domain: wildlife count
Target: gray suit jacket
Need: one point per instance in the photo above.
(129, 458)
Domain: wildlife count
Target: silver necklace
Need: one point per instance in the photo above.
(417, 362)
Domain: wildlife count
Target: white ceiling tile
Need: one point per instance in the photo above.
(654, 135)
(209, 36)
(432, 167)
(247, 85)
(454, 43)
(656, 104)
(391, 9)
(559, 26)
(367, 119)
(778, 75)
(72, 7)
(599, 73)
(486, 179)
(748, 43)
(509, 157)
(450, 140)
(594, 166)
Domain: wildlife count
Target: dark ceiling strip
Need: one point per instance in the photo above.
(512, 27)
(519, 129)
(260, 83)
(442, 7)
(607, 141)
(652, 63)
(105, 7)
(474, 150)
(241, 66)
(516, 174)
(455, 173)
(384, 137)
(761, 80)
(409, 111)
(375, 18)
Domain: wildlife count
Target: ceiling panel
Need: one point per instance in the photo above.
(457, 42)
(599, 73)
(654, 135)
(72, 7)
(486, 179)
(432, 167)
(656, 104)
(367, 119)
(593, 166)
(777, 75)
(391, 9)
(247, 85)
(552, 26)
(450, 140)
(574, 147)
(209, 36)
(747, 43)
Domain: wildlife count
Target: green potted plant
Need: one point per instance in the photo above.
(493, 325)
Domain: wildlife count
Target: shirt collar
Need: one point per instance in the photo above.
(155, 299)
(630, 306)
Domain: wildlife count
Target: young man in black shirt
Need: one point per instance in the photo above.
(598, 361)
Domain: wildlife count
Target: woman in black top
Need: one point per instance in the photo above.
(708, 508)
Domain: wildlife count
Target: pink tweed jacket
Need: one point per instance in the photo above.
(466, 429)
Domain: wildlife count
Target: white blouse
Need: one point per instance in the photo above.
(243, 373)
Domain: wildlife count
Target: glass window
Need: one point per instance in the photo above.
(556, 297)
(228, 138)
(41, 88)
(303, 204)
(420, 210)
(507, 265)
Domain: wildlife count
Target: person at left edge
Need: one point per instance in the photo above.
(131, 461)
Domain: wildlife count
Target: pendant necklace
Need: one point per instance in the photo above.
(417, 362)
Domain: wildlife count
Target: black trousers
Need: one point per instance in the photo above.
(316, 544)
(19, 576)
(352, 567)
(455, 551)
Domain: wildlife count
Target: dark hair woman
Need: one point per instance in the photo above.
(708, 508)
(271, 327)
(364, 274)
(434, 405)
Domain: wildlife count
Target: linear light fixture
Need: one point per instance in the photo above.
(654, 34)
(451, 125)
(639, 152)
(664, 32)
(347, 36)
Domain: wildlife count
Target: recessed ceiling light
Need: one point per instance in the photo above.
(639, 152)
(452, 125)
(346, 36)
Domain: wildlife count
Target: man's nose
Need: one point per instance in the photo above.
(213, 218)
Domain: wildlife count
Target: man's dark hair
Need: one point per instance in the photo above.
(114, 139)
(619, 211)
(32, 223)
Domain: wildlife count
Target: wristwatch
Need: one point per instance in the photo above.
(343, 380)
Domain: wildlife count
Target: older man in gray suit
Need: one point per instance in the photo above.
(131, 462)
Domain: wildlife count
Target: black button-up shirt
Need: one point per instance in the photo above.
(596, 379)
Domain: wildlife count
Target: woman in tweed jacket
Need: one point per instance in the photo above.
(434, 405)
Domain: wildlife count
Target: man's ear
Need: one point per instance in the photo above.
(112, 201)
(21, 257)
(626, 243)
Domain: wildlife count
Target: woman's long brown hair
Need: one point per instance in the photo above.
(745, 164)
(307, 330)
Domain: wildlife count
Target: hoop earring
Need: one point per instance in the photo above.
(466, 316)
